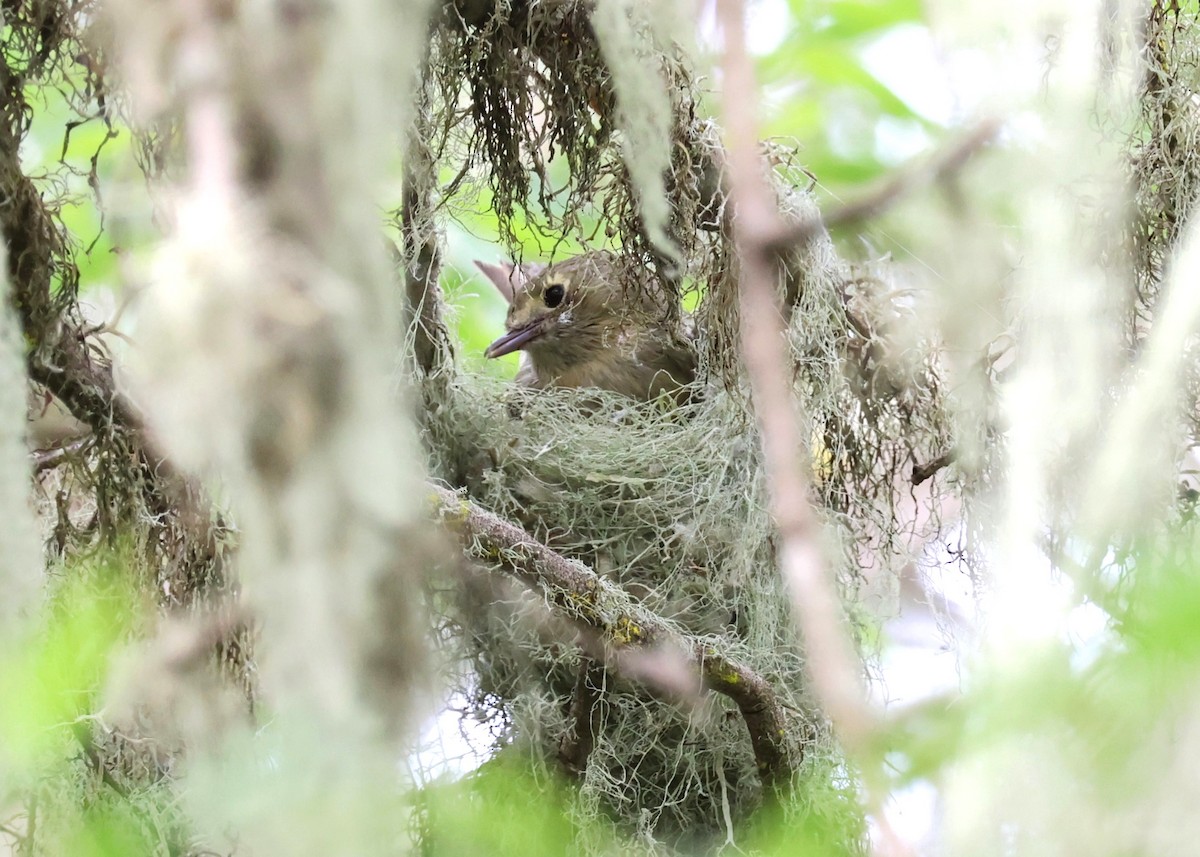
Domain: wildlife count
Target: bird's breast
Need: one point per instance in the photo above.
(632, 368)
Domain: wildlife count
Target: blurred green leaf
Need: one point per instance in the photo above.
(112, 829)
(50, 679)
(501, 810)
(773, 835)
(862, 19)
(819, 91)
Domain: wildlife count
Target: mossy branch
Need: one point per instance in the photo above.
(627, 634)
(60, 357)
(422, 262)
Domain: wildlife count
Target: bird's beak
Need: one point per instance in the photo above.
(514, 340)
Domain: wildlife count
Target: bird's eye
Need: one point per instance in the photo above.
(553, 296)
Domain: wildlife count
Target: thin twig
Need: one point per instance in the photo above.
(432, 344)
(894, 189)
(832, 660)
(578, 743)
(45, 459)
(833, 665)
(921, 472)
(629, 637)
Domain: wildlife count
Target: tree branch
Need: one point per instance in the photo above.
(895, 188)
(432, 345)
(832, 661)
(921, 472)
(577, 745)
(61, 358)
(628, 635)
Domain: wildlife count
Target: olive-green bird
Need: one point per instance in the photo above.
(580, 326)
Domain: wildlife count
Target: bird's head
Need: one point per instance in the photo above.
(560, 313)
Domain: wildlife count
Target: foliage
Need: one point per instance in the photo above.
(1056, 745)
(820, 89)
(501, 809)
(52, 679)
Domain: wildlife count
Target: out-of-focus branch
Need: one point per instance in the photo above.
(895, 188)
(577, 745)
(48, 459)
(921, 472)
(833, 665)
(628, 637)
(293, 329)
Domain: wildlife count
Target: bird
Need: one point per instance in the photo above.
(579, 325)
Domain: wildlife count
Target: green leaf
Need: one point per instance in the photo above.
(502, 810)
(50, 679)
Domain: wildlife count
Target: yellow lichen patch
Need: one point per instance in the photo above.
(626, 632)
(725, 677)
(582, 605)
(719, 672)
